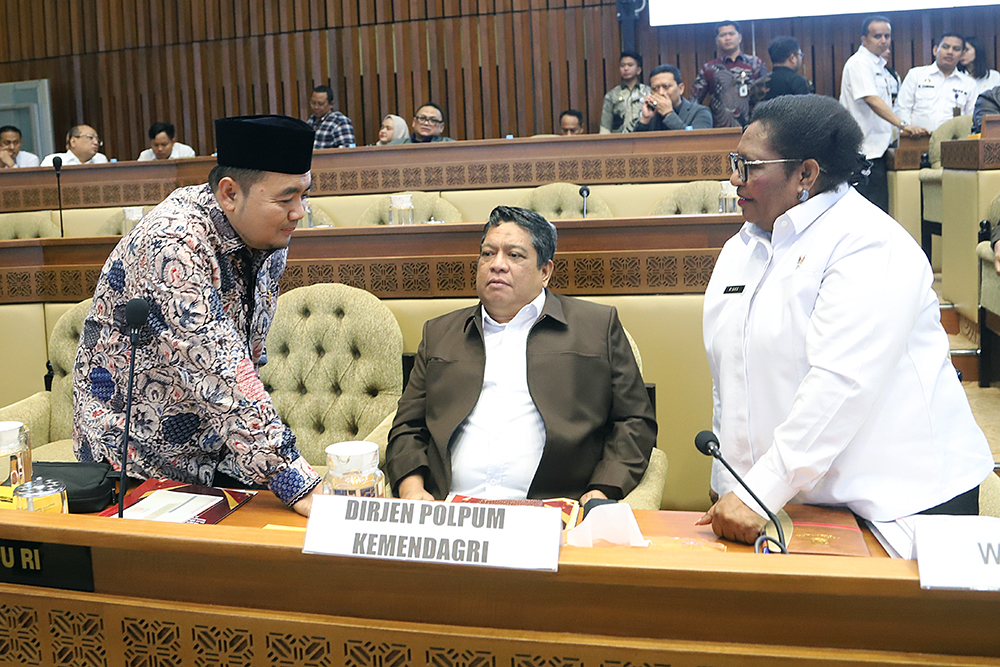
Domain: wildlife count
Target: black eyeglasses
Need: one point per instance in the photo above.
(428, 119)
(741, 165)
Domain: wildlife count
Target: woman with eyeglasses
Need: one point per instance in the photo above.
(832, 382)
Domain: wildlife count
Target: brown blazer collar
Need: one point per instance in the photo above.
(552, 308)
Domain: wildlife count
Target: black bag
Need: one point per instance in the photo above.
(90, 487)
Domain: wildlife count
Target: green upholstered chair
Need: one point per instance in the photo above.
(426, 205)
(562, 201)
(691, 199)
(27, 225)
(334, 367)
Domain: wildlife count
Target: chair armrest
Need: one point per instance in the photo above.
(985, 251)
(34, 412)
(649, 493)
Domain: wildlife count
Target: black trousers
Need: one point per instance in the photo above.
(963, 504)
(877, 189)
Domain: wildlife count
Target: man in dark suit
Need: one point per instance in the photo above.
(665, 109)
(786, 62)
(529, 394)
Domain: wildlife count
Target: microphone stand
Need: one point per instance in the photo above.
(123, 482)
(62, 232)
(584, 192)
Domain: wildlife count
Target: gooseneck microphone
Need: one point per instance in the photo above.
(584, 192)
(708, 444)
(57, 163)
(136, 314)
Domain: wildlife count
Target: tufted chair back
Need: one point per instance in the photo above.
(27, 225)
(691, 199)
(62, 354)
(334, 366)
(425, 206)
(950, 130)
(562, 201)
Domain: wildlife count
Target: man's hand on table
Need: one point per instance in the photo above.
(732, 519)
(590, 495)
(412, 488)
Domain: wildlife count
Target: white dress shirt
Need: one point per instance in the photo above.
(928, 98)
(69, 159)
(496, 450)
(864, 75)
(178, 151)
(25, 159)
(832, 380)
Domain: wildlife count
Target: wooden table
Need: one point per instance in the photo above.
(239, 594)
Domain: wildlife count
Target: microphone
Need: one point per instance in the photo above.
(584, 192)
(708, 444)
(136, 314)
(57, 163)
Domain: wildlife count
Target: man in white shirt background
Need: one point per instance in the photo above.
(932, 94)
(11, 154)
(529, 394)
(162, 145)
(866, 91)
(82, 144)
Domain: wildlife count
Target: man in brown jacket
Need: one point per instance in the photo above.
(529, 394)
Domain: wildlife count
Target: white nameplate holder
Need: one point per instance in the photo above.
(516, 537)
(961, 552)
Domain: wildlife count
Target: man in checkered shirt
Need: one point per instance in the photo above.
(333, 129)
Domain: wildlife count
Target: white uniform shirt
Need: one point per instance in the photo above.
(178, 151)
(928, 98)
(865, 74)
(26, 159)
(988, 82)
(497, 448)
(832, 381)
(69, 159)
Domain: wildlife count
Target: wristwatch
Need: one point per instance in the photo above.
(902, 124)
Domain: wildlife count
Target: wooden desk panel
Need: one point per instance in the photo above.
(653, 255)
(162, 584)
(653, 157)
(971, 154)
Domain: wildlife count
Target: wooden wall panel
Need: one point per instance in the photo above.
(497, 67)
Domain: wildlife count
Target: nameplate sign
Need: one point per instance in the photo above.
(63, 566)
(525, 538)
(958, 552)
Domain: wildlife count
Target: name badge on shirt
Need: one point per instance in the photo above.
(734, 289)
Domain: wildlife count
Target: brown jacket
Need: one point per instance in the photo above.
(582, 376)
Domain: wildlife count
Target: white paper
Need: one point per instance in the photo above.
(435, 532)
(170, 506)
(960, 552)
(896, 537)
(612, 523)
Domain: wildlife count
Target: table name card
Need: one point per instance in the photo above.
(63, 566)
(958, 552)
(413, 530)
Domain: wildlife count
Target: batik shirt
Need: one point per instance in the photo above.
(725, 80)
(334, 130)
(198, 404)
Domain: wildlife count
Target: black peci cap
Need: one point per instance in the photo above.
(265, 143)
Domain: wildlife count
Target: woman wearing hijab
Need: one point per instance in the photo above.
(393, 131)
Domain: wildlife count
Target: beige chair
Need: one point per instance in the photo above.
(691, 199)
(426, 206)
(647, 495)
(989, 496)
(27, 225)
(334, 366)
(930, 179)
(562, 201)
(49, 414)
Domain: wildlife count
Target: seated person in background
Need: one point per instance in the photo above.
(832, 383)
(623, 103)
(987, 104)
(333, 129)
(530, 394)
(665, 109)
(162, 145)
(932, 94)
(207, 260)
(786, 62)
(975, 62)
(392, 132)
(82, 143)
(571, 123)
(11, 154)
(428, 124)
